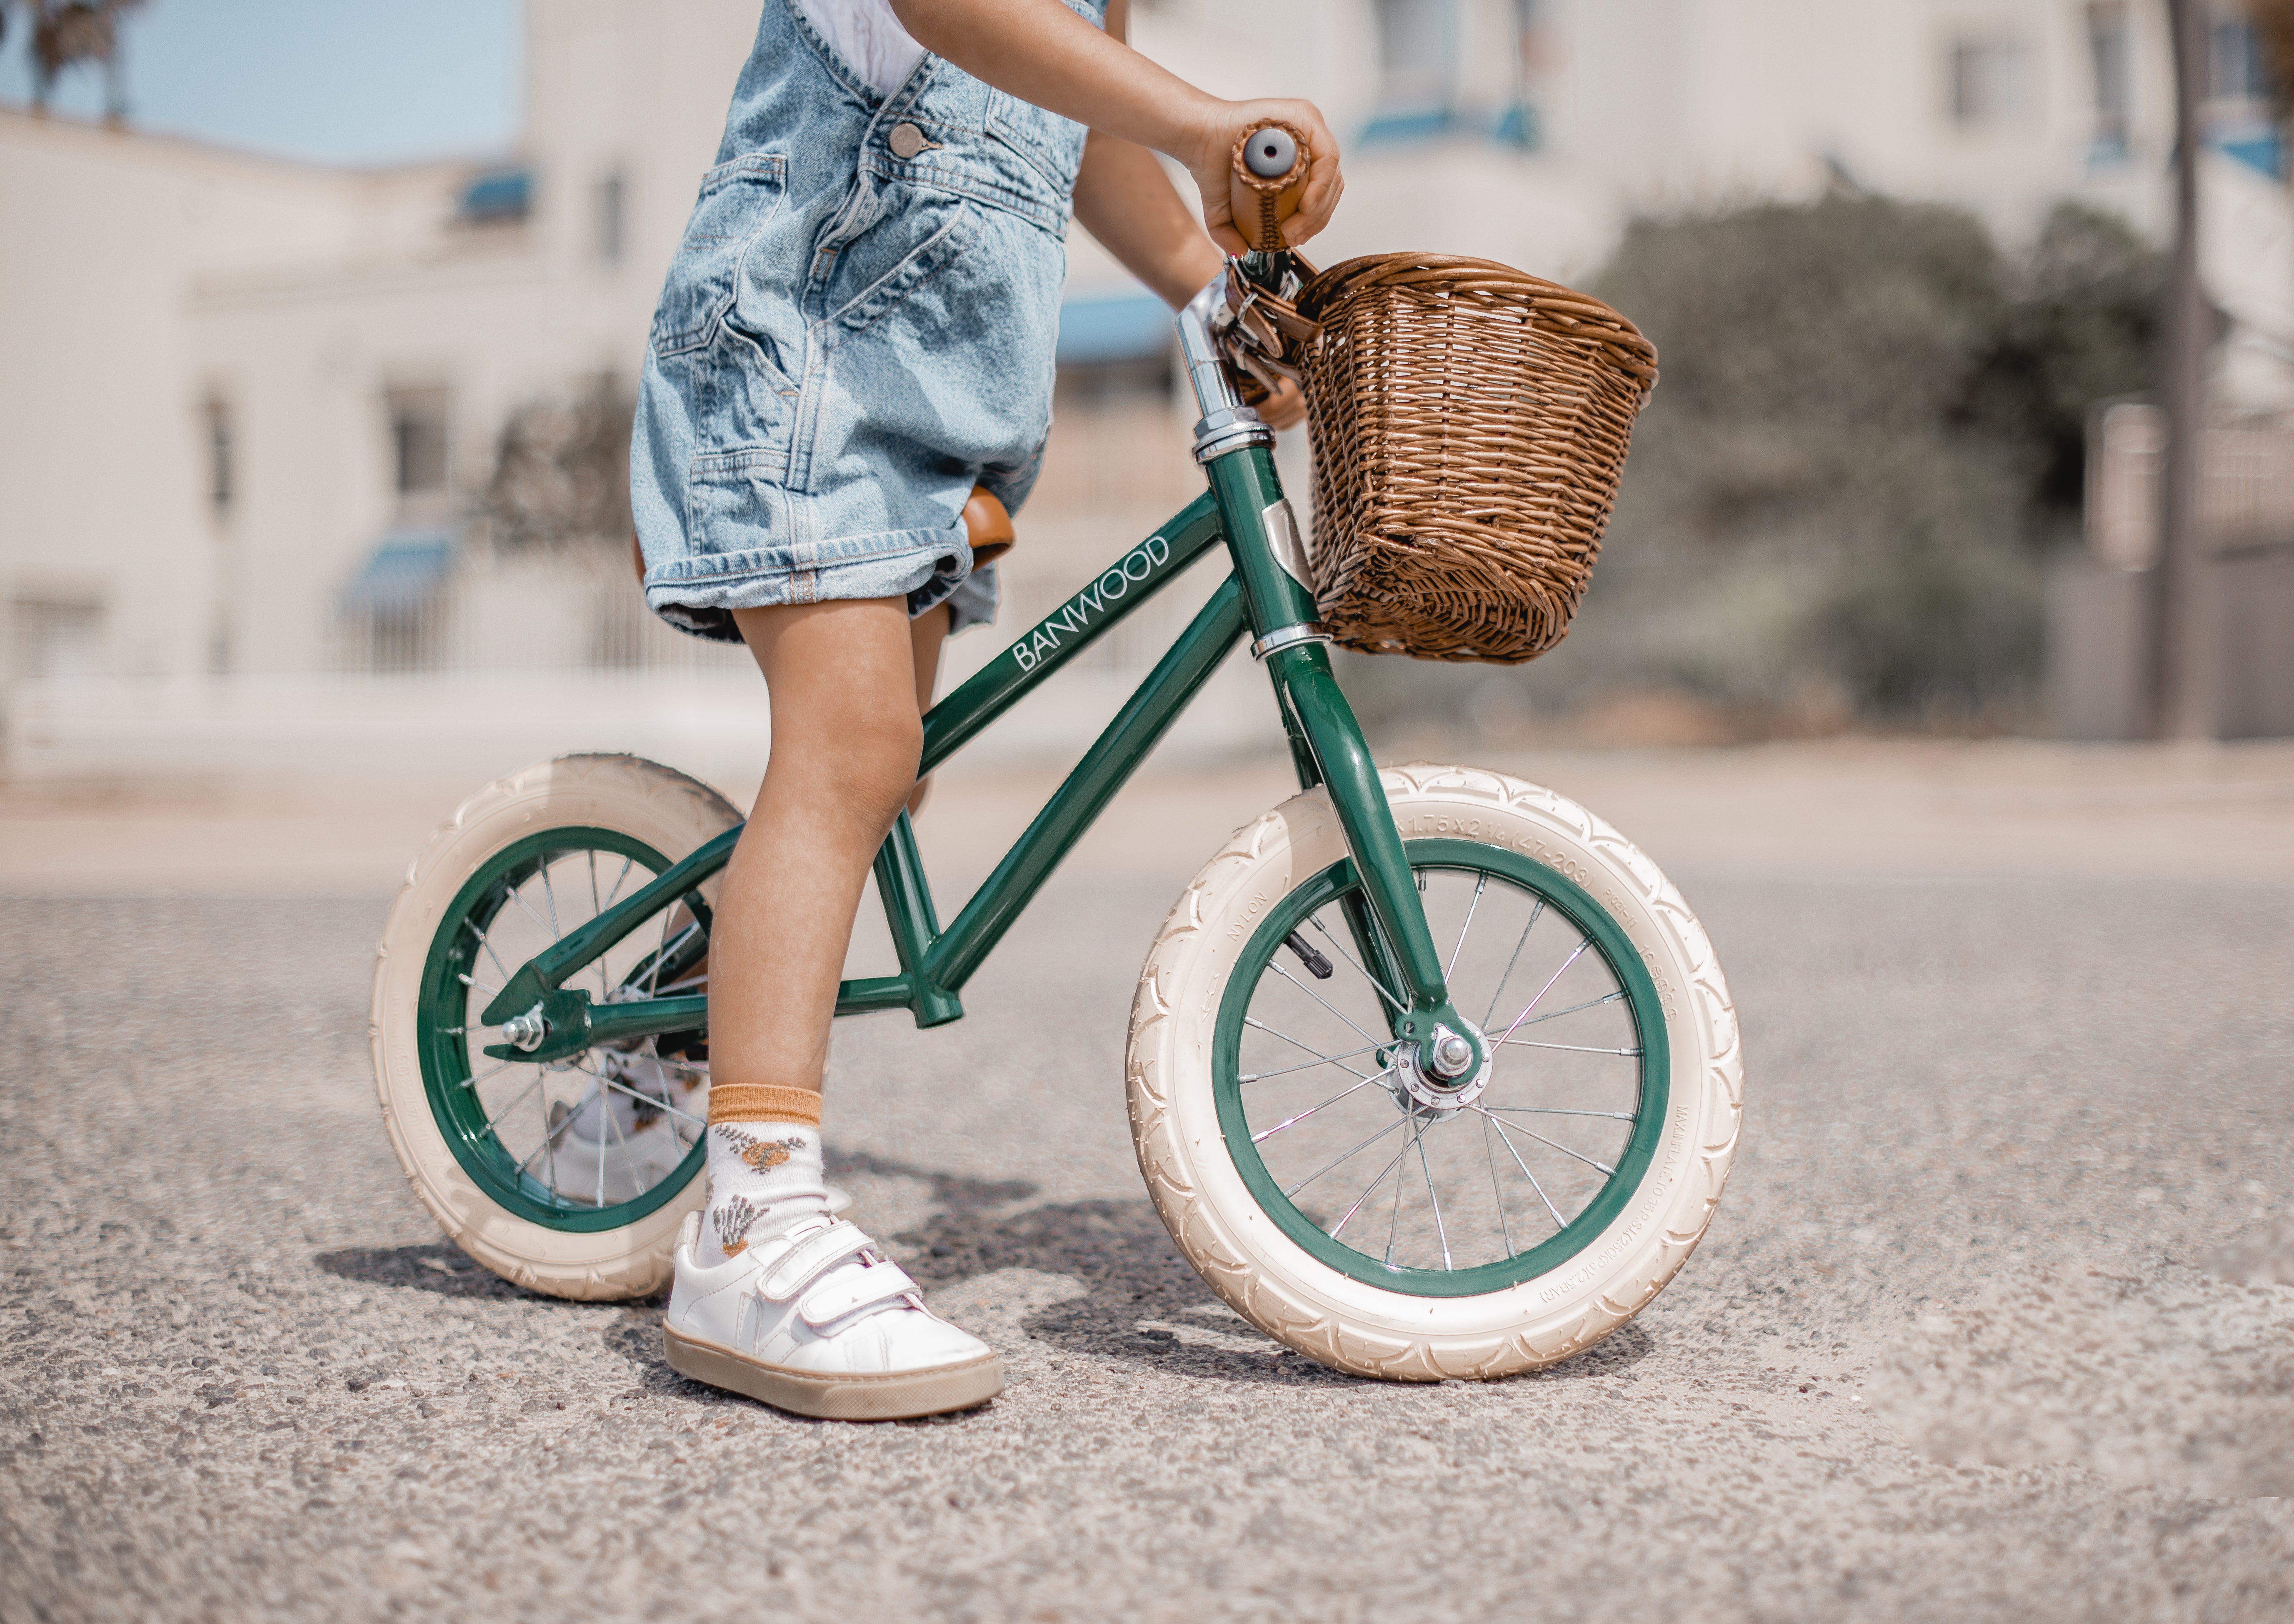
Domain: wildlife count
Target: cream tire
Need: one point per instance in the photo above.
(1327, 1313)
(666, 810)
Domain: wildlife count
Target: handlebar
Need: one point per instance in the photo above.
(1270, 165)
(1271, 160)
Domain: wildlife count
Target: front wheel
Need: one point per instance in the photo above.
(1391, 1228)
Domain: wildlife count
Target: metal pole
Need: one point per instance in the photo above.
(2179, 707)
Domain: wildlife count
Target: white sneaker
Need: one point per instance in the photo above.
(818, 1322)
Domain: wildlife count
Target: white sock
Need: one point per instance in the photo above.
(763, 1176)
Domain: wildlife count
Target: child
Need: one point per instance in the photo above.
(858, 329)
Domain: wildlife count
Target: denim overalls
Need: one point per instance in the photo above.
(858, 328)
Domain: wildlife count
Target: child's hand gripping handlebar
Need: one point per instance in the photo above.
(1271, 161)
(1246, 314)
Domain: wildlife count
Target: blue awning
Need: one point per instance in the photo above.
(1127, 327)
(404, 569)
(504, 194)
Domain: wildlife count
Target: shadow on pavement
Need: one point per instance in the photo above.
(440, 1267)
(1141, 1303)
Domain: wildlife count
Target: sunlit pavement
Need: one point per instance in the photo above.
(1996, 1319)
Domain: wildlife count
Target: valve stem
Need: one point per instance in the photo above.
(1316, 964)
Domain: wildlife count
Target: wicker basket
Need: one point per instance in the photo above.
(1469, 425)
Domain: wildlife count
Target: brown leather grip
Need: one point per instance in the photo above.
(1261, 204)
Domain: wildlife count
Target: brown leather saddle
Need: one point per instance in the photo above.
(986, 527)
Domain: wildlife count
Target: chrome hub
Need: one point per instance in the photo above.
(1416, 1086)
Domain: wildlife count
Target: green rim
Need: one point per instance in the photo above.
(444, 1046)
(1609, 940)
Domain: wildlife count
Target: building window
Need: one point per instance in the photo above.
(1418, 58)
(613, 205)
(220, 453)
(2109, 47)
(2236, 71)
(417, 442)
(1990, 83)
(57, 638)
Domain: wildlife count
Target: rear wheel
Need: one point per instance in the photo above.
(1388, 1226)
(569, 1177)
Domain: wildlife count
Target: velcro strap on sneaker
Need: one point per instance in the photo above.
(854, 1290)
(805, 1262)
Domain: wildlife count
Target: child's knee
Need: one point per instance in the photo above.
(865, 744)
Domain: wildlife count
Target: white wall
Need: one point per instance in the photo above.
(100, 460)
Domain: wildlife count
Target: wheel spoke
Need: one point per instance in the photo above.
(1583, 944)
(549, 894)
(542, 923)
(1549, 1144)
(474, 983)
(1399, 1007)
(550, 1141)
(1523, 1043)
(1497, 1192)
(1253, 1020)
(653, 1101)
(538, 1074)
(1393, 1220)
(1573, 1009)
(1560, 1223)
(627, 864)
(1481, 884)
(1366, 1145)
(605, 1112)
(499, 1066)
(1535, 913)
(597, 906)
(1370, 1187)
(1359, 1047)
(1302, 1116)
(660, 957)
(1260, 1077)
(1427, 1168)
(1318, 998)
(500, 968)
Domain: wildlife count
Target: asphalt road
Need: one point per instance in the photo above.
(1994, 1321)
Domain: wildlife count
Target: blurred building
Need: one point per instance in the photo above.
(253, 414)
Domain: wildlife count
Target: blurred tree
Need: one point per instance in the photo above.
(1871, 426)
(562, 471)
(66, 33)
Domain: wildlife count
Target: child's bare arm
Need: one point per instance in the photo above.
(1040, 51)
(1126, 202)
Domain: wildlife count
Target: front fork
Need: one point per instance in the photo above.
(1386, 914)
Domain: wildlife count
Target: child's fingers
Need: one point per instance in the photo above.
(1285, 408)
(1218, 220)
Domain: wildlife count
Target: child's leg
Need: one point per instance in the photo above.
(927, 637)
(845, 740)
(775, 1299)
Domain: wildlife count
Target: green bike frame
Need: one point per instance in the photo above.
(1266, 596)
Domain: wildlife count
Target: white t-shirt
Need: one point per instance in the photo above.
(869, 39)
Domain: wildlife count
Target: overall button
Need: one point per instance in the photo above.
(907, 141)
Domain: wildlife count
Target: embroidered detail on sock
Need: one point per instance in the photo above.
(732, 1221)
(759, 1154)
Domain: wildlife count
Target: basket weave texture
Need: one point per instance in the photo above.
(1470, 425)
